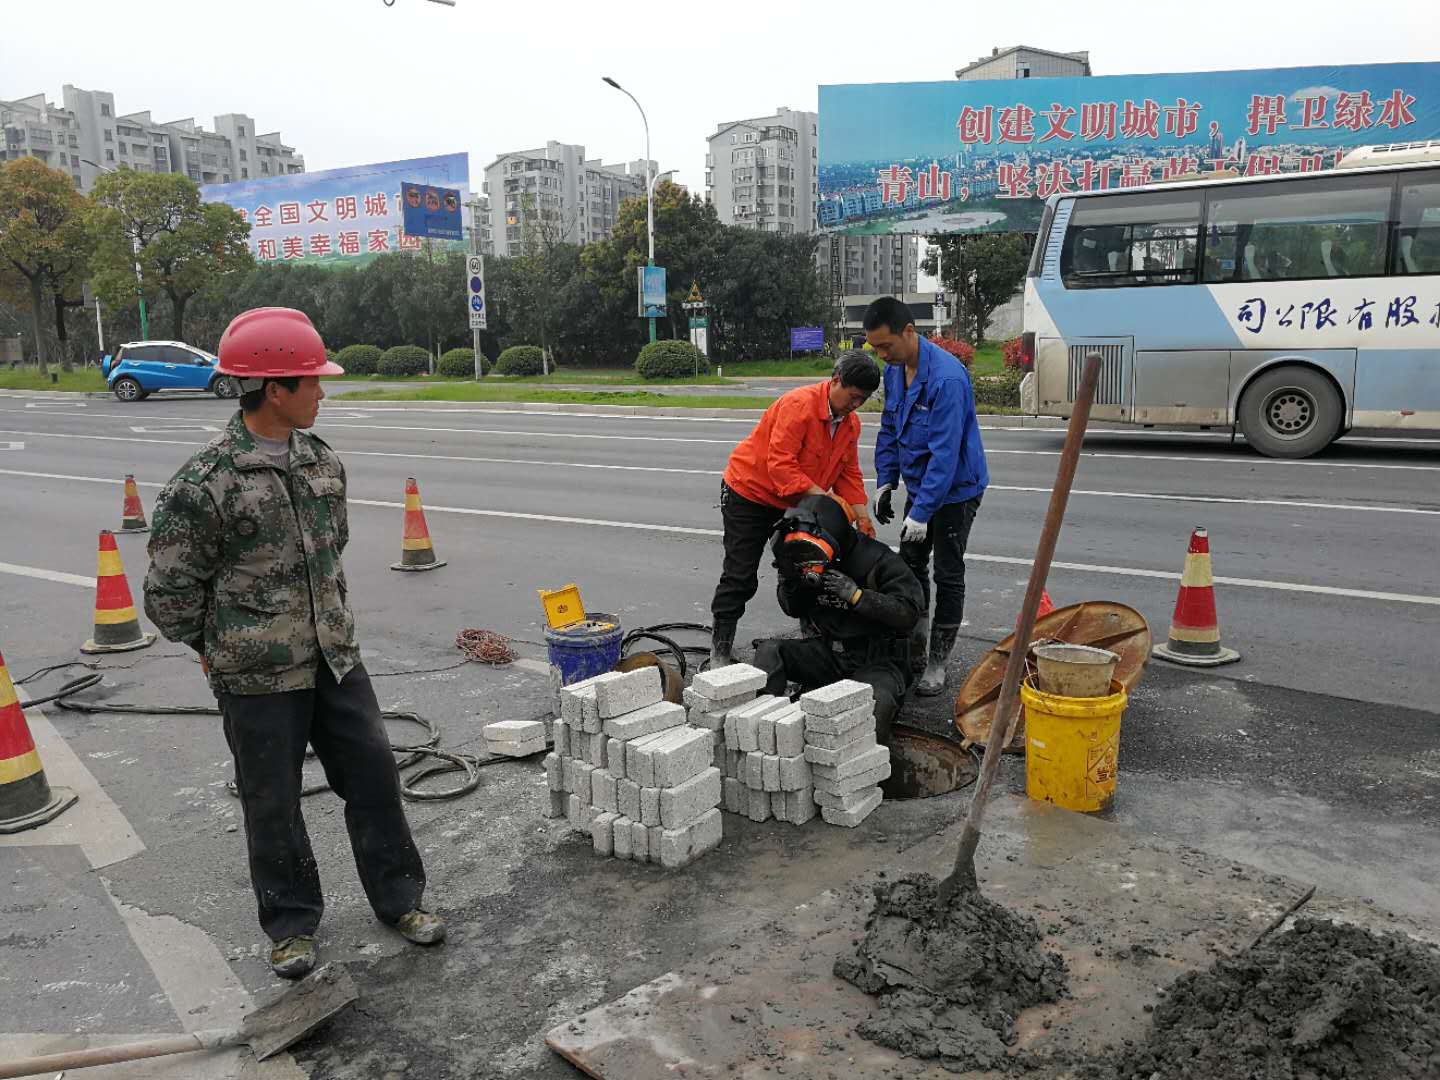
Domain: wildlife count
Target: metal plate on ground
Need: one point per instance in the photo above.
(1127, 913)
(1102, 624)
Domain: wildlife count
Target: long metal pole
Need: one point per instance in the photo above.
(475, 250)
(649, 191)
(1005, 715)
(99, 326)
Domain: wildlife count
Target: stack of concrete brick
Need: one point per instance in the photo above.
(515, 738)
(766, 774)
(628, 769)
(846, 763)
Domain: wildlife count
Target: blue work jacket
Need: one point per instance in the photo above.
(930, 435)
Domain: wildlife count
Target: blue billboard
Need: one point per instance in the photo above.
(652, 292)
(807, 338)
(338, 217)
(957, 156)
(432, 212)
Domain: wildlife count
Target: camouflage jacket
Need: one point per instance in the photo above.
(245, 564)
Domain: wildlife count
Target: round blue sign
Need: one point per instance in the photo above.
(476, 284)
(477, 304)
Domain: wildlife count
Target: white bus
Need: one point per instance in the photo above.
(1295, 307)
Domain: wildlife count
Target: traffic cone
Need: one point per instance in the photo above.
(1195, 628)
(132, 517)
(1044, 609)
(26, 798)
(416, 550)
(117, 628)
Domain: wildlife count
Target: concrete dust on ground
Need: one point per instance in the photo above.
(1323, 1001)
(951, 978)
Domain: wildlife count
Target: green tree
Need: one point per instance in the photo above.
(181, 244)
(44, 245)
(981, 271)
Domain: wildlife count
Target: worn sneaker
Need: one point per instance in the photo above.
(421, 927)
(294, 957)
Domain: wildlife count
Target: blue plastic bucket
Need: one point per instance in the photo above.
(584, 650)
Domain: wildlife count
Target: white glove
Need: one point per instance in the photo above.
(913, 532)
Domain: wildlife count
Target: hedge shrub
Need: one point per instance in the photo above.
(405, 360)
(459, 363)
(359, 359)
(1002, 391)
(961, 350)
(670, 360)
(1010, 353)
(521, 360)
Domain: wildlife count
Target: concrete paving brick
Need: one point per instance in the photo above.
(683, 804)
(688, 754)
(746, 733)
(694, 699)
(767, 705)
(839, 723)
(653, 833)
(516, 731)
(770, 772)
(640, 756)
(682, 846)
(652, 718)
(728, 682)
(602, 790)
(759, 808)
(848, 819)
(639, 839)
(556, 805)
(848, 801)
(753, 771)
(765, 734)
(789, 733)
(794, 772)
(602, 833)
(554, 772)
(579, 812)
(633, 751)
(573, 698)
(560, 734)
(627, 692)
(835, 742)
(577, 777)
(852, 766)
(734, 796)
(837, 698)
(717, 751)
(515, 750)
(854, 783)
(615, 756)
(650, 805)
(734, 762)
(621, 837)
(627, 798)
(819, 755)
(711, 721)
(800, 806)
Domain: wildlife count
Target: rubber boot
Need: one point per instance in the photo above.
(722, 645)
(942, 642)
(919, 639)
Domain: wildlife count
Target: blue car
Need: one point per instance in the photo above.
(140, 368)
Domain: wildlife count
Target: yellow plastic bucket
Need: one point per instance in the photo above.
(1072, 747)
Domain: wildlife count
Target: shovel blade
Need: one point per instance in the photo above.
(298, 1011)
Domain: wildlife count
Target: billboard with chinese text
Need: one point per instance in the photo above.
(432, 212)
(338, 217)
(959, 156)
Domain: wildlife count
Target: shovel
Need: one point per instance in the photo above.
(267, 1031)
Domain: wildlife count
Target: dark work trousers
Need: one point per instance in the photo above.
(813, 662)
(948, 536)
(747, 531)
(267, 734)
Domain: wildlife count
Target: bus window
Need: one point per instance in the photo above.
(1417, 234)
(1123, 240)
(1331, 228)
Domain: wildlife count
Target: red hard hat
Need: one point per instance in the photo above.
(273, 343)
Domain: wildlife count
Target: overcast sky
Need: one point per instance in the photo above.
(352, 81)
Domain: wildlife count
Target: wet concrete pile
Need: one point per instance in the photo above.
(950, 981)
(1322, 1001)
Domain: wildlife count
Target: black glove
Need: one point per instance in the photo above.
(884, 512)
(837, 590)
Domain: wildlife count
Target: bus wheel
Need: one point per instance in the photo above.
(1290, 412)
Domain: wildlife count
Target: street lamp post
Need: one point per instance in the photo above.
(649, 185)
(139, 278)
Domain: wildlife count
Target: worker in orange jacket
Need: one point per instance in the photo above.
(805, 444)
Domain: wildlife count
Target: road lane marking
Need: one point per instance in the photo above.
(1220, 500)
(9, 445)
(57, 576)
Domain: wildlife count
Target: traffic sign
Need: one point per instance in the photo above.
(699, 322)
(475, 291)
(694, 297)
(475, 264)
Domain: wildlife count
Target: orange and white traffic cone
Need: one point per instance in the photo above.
(1195, 628)
(1045, 608)
(416, 550)
(132, 517)
(117, 627)
(26, 798)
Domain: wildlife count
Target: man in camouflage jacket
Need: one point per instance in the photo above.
(245, 569)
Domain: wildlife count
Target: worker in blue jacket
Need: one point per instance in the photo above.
(930, 438)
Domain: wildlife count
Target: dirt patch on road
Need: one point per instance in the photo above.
(1323, 1001)
(950, 981)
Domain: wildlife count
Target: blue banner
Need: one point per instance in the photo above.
(983, 156)
(432, 212)
(337, 217)
(652, 292)
(807, 338)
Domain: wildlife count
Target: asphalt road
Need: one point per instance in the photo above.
(1316, 756)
